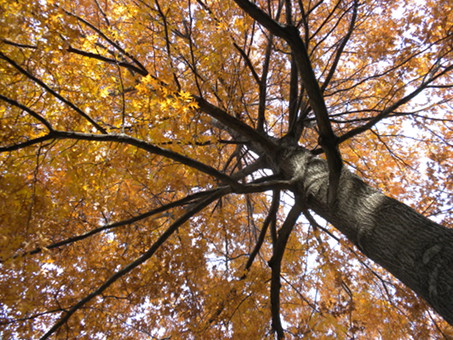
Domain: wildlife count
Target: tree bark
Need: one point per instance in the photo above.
(416, 250)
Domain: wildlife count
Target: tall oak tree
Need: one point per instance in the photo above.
(226, 169)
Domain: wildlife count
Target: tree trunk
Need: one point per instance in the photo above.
(417, 251)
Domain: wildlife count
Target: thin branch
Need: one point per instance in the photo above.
(263, 85)
(341, 48)
(276, 262)
(293, 96)
(125, 139)
(186, 200)
(123, 99)
(241, 51)
(167, 43)
(108, 60)
(12, 43)
(326, 20)
(111, 42)
(249, 169)
(32, 113)
(316, 225)
(304, 21)
(52, 92)
(132, 265)
(102, 12)
(386, 112)
(270, 218)
(31, 317)
(248, 62)
(396, 66)
(308, 302)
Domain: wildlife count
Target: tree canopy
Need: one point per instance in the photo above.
(147, 185)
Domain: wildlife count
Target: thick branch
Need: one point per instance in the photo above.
(327, 138)
(233, 123)
(263, 18)
(26, 144)
(122, 138)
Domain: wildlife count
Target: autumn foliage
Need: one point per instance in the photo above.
(139, 142)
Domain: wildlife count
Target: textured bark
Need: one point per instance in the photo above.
(416, 250)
